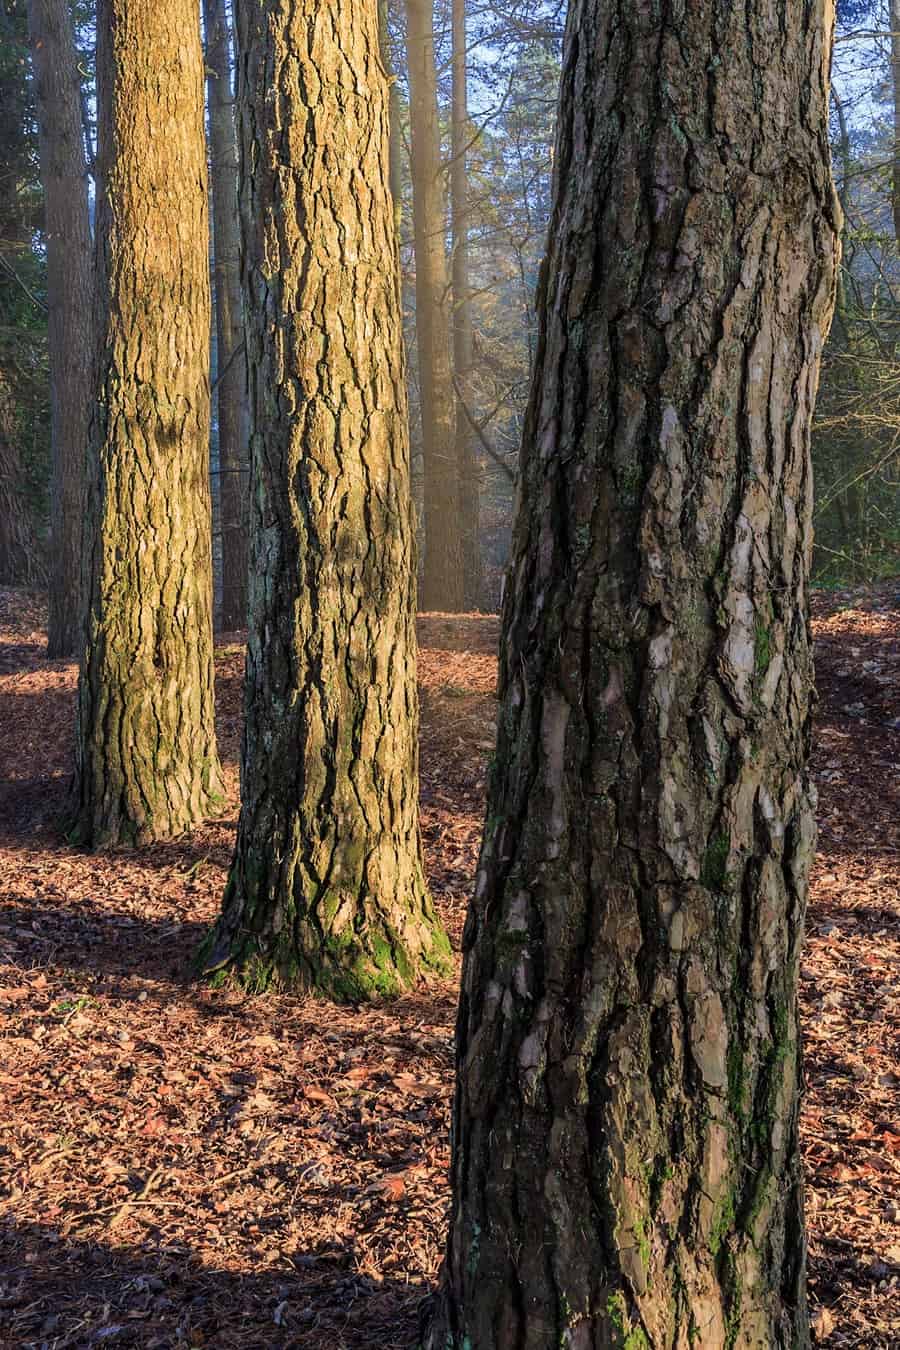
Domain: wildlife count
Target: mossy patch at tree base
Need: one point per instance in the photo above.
(347, 966)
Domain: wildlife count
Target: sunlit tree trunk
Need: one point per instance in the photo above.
(146, 761)
(69, 294)
(326, 888)
(625, 1167)
(395, 151)
(442, 586)
(466, 460)
(231, 389)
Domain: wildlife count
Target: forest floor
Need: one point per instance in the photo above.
(184, 1166)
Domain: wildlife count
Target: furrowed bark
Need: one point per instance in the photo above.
(443, 583)
(626, 1168)
(231, 390)
(327, 889)
(69, 291)
(146, 760)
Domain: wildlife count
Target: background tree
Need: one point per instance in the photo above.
(442, 585)
(67, 232)
(24, 385)
(467, 464)
(326, 888)
(395, 173)
(856, 438)
(625, 1166)
(231, 386)
(146, 760)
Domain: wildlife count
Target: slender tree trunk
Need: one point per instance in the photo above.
(895, 81)
(469, 486)
(146, 763)
(443, 580)
(395, 152)
(231, 390)
(69, 281)
(327, 888)
(840, 309)
(626, 1168)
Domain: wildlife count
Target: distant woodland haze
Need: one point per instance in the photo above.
(511, 63)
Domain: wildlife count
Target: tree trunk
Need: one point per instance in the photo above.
(626, 1168)
(395, 152)
(467, 463)
(327, 888)
(843, 150)
(147, 765)
(231, 389)
(895, 83)
(442, 587)
(20, 554)
(69, 276)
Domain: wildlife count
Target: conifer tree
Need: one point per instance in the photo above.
(146, 760)
(326, 889)
(626, 1169)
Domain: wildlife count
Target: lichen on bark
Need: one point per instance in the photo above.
(625, 1164)
(327, 889)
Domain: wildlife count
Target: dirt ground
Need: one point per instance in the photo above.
(182, 1166)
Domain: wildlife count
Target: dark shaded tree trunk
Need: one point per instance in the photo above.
(146, 761)
(626, 1168)
(327, 888)
(231, 389)
(20, 555)
(442, 587)
(467, 463)
(69, 292)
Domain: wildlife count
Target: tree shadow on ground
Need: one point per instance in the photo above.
(17, 657)
(63, 1291)
(33, 809)
(151, 959)
(83, 936)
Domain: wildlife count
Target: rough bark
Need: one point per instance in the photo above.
(442, 587)
(146, 761)
(69, 295)
(626, 1168)
(231, 389)
(327, 889)
(467, 463)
